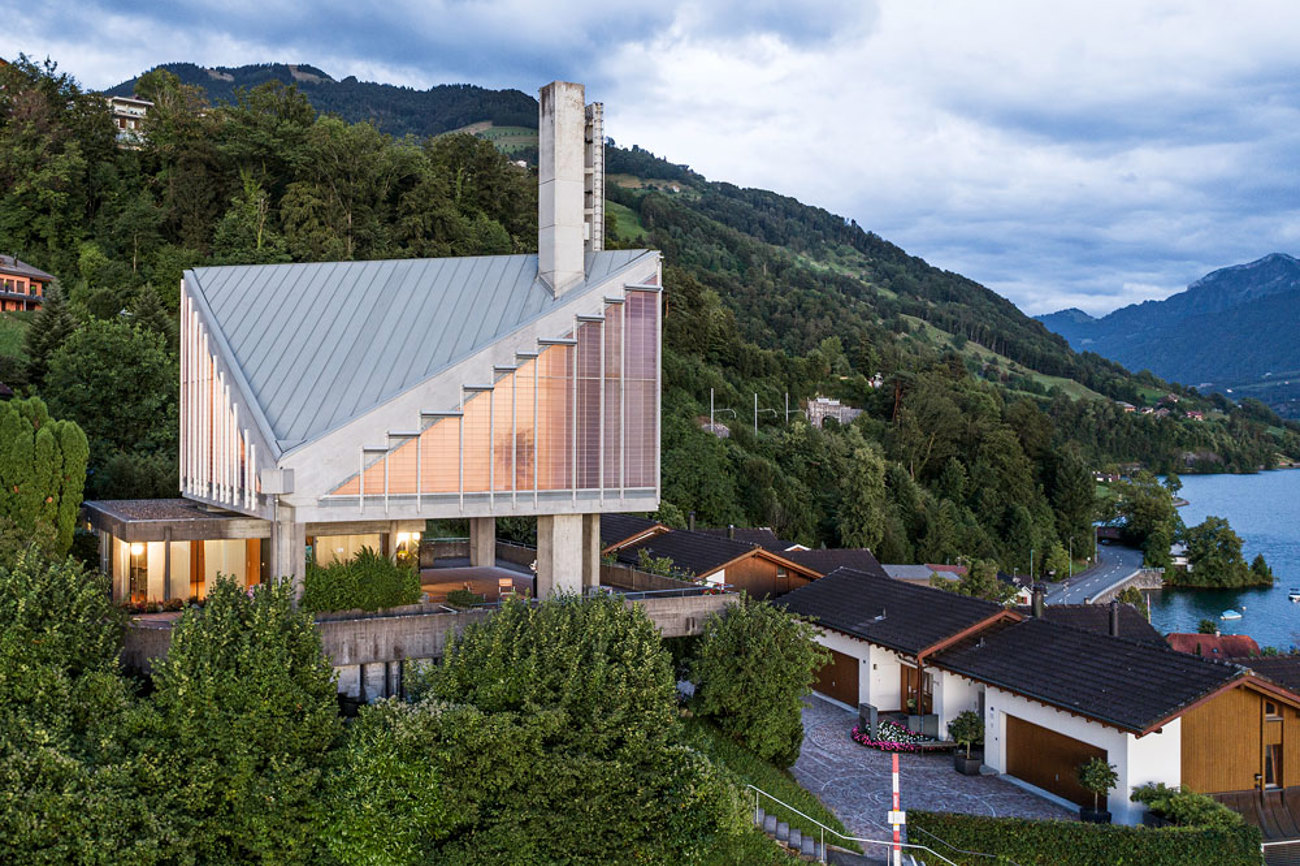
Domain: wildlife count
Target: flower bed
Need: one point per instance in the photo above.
(896, 738)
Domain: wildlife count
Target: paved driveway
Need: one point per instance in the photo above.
(855, 782)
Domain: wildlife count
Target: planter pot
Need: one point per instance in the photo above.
(914, 723)
(967, 766)
(1151, 819)
(1094, 816)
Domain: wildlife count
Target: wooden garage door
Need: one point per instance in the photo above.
(838, 679)
(1049, 760)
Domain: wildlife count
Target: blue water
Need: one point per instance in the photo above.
(1264, 510)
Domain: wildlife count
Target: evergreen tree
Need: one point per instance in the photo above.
(863, 512)
(51, 326)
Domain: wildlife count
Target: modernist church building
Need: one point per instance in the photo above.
(334, 405)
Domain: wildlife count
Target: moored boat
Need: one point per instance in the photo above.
(1229, 614)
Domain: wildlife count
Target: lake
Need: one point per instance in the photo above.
(1264, 510)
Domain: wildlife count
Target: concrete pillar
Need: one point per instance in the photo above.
(561, 152)
(590, 551)
(289, 549)
(559, 554)
(483, 541)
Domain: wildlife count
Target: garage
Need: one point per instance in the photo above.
(838, 679)
(1048, 760)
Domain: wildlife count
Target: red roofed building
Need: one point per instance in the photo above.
(1215, 646)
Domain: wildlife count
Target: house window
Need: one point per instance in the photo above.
(1271, 711)
(1273, 765)
(139, 572)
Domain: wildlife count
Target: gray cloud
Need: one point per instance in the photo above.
(1077, 153)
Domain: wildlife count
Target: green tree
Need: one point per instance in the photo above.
(1173, 483)
(1057, 562)
(979, 581)
(247, 714)
(754, 664)
(1207, 626)
(862, 513)
(1260, 572)
(42, 476)
(119, 384)
(1214, 555)
(50, 327)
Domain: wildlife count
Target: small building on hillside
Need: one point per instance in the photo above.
(128, 118)
(22, 287)
(824, 407)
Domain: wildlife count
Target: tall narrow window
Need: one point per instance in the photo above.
(1273, 765)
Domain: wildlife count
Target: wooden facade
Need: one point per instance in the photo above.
(1048, 760)
(1241, 739)
(838, 678)
(763, 576)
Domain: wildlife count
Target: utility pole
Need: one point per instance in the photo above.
(755, 413)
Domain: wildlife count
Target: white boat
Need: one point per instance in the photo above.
(1294, 594)
(1229, 614)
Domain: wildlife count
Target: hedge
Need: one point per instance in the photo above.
(1073, 843)
(369, 581)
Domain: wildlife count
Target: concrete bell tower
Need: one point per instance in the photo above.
(571, 183)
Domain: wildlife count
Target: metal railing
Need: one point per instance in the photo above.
(823, 830)
(1281, 853)
(634, 595)
(1000, 858)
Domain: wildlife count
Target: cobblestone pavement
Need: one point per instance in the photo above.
(855, 782)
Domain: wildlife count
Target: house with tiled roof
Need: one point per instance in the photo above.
(724, 562)
(1057, 689)
(344, 404)
(22, 287)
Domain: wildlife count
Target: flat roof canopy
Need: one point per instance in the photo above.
(170, 520)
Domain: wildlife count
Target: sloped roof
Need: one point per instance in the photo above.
(616, 528)
(696, 552)
(321, 343)
(888, 612)
(1283, 670)
(826, 561)
(1217, 646)
(18, 268)
(1096, 618)
(1129, 684)
(763, 537)
(908, 572)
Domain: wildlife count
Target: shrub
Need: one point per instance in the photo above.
(754, 664)
(368, 581)
(1098, 777)
(1073, 843)
(1184, 807)
(463, 598)
(967, 729)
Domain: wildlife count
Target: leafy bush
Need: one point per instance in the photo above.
(368, 581)
(754, 663)
(1097, 776)
(463, 598)
(967, 729)
(1073, 843)
(1185, 807)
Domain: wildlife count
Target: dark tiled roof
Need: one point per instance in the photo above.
(763, 537)
(1215, 646)
(696, 552)
(11, 265)
(888, 612)
(826, 561)
(1126, 683)
(1283, 670)
(1096, 618)
(617, 528)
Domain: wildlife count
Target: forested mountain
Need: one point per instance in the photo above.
(392, 109)
(1228, 328)
(980, 431)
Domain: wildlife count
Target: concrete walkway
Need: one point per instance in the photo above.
(855, 782)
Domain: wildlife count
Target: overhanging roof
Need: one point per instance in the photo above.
(320, 344)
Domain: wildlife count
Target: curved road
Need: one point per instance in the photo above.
(1116, 564)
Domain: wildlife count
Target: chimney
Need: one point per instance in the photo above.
(571, 184)
(731, 531)
(1037, 600)
(1114, 618)
(690, 521)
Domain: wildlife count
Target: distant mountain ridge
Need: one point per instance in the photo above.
(1228, 326)
(395, 110)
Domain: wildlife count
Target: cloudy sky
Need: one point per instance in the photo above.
(1086, 154)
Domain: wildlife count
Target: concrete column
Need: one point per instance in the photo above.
(483, 541)
(590, 551)
(559, 554)
(289, 549)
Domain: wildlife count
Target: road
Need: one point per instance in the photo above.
(1116, 564)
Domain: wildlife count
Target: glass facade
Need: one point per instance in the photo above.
(582, 415)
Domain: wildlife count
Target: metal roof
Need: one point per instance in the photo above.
(322, 343)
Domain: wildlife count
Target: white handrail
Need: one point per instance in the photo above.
(824, 829)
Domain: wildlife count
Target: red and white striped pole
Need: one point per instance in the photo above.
(896, 818)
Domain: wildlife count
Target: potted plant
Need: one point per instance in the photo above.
(967, 730)
(1098, 777)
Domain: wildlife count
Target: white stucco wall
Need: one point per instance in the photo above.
(885, 688)
(1153, 758)
(953, 695)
